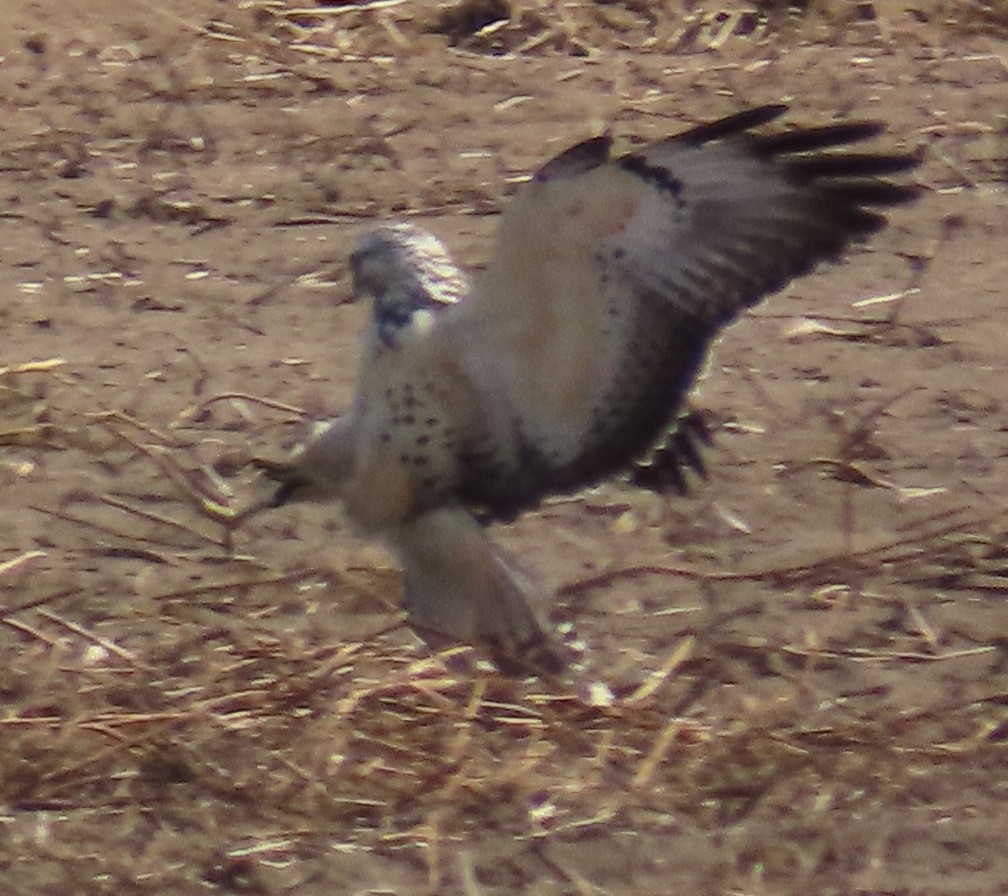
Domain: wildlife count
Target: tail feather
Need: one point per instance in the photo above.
(460, 585)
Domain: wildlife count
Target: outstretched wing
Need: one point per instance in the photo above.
(611, 276)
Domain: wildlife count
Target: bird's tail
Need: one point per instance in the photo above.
(461, 585)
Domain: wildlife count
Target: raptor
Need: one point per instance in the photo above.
(569, 357)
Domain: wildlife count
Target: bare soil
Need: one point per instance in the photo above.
(807, 656)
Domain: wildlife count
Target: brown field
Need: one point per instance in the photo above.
(808, 655)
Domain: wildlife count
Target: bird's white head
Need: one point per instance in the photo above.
(410, 276)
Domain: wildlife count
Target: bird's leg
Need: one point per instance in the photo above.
(318, 470)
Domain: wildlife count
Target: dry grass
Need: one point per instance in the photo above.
(208, 715)
(181, 711)
(213, 739)
(369, 29)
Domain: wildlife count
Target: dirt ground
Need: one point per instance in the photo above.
(807, 656)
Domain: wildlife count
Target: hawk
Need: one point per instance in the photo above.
(571, 354)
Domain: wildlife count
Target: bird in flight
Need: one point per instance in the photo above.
(569, 357)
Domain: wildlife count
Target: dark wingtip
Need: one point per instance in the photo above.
(802, 148)
(577, 160)
(733, 124)
(809, 139)
(681, 453)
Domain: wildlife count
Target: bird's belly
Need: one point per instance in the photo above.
(381, 493)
